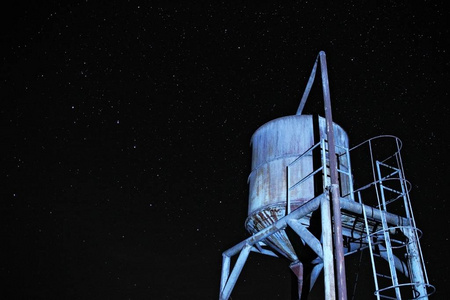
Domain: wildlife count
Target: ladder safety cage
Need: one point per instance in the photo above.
(390, 186)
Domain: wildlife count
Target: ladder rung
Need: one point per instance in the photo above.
(392, 190)
(344, 172)
(384, 276)
(385, 297)
(398, 242)
(387, 166)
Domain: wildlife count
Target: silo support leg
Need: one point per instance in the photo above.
(225, 271)
(297, 268)
(315, 274)
(327, 240)
(228, 284)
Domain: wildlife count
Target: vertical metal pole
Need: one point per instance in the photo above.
(327, 238)
(225, 271)
(327, 241)
(416, 273)
(335, 199)
(418, 270)
(288, 200)
(369, 241)
(387, 237)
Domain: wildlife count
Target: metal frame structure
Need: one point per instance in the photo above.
(363, 226)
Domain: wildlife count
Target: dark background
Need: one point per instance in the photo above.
(126, 126)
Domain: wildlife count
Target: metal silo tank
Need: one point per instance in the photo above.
(275, 145)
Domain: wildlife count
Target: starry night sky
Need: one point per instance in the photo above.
(126, 129)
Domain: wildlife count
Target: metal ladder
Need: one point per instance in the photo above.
(416, 272)
(383, 234)
(386, 230)
(323, 145)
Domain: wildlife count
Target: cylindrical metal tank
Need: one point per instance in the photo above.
(275, 147)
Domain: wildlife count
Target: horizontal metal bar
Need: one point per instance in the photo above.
(387, 166)
(391, 190)
(389, 175)
(384, 276)
(344, 172)
(308, 207)
(356, 250)
(372, 212)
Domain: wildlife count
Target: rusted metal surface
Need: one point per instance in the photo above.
(279, 240)
(275, 145)
(299, 213)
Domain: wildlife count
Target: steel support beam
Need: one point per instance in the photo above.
(372, 213)
(414, 260)
(327, 240)
(335, 201)
(226, 291)
(225, 272)
(228, 281)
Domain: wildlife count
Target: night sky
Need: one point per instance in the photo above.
(125, 132)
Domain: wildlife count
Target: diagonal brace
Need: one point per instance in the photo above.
(227, 287)
(307, 236)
